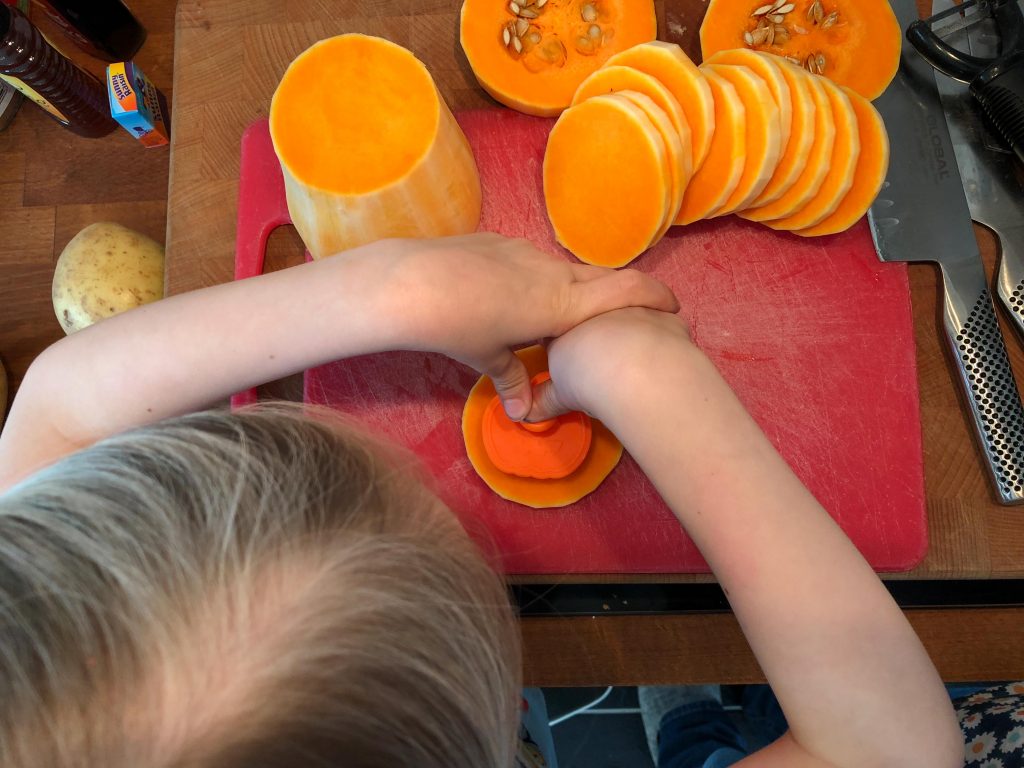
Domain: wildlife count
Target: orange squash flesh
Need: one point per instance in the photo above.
(603, 456)
(679, 171)
(816, 167)
(558, 47)
(684, 80)
(607, 185)
(872, 166)
(768, 70)
(860, 44)
(369, 149)
(720, 174)
(612, 79)
(760, 149)
(839, 179)
(801, 118)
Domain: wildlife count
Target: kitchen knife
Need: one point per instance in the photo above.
(992, 179)
(921, 214)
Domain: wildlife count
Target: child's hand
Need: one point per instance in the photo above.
(607, 360)
(475, 297)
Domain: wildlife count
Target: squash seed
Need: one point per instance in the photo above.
(589, 13)
(830, 20)
(770, 38)
(785, 8)
(821, 63)
(798, 29)
(506, 36)
(812, 64)
(528, 13)
(760, 35)
(541, 4)
(763, 10)
(816, 11)
(514, 7)
(781, 35)
(517, 44)
(533, 38)
(747, 38)
(775, 18)
(522, 26)
(794, 60)
(594, 31)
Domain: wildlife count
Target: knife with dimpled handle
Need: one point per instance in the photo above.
(921, 214)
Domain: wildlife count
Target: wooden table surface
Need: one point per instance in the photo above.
(226, 57)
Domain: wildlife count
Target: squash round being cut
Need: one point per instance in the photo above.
(720, 173)
(532, 55)
(797, 146)
(761, 144)
(602, 457)
(679, 171)
(869, 175)
(855, 43)
(684, 80)
(613, 79)
(839, 179)
(369, 149)
(814, 170)
(607, 183)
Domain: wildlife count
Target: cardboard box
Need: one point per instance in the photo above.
(137, 104)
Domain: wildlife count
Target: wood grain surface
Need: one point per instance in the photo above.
(227, 56)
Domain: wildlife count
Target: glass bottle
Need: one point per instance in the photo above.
(104, 28)
(73, 97)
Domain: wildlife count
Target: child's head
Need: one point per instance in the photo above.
(251, 589)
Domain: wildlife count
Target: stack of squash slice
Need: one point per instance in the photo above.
(653, 140)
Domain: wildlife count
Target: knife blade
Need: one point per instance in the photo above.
(993, 181)
(921, 214)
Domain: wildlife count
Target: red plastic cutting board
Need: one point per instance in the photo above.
(815, 336)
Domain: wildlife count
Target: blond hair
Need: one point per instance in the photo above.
(250, 589)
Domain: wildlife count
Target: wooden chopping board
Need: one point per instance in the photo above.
(213, 108)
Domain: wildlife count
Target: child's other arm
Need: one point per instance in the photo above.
(855, 683)
(470, 297)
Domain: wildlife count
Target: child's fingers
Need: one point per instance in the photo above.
(512, 382)
(595, 294)
(546, 404)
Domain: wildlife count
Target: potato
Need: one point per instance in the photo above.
(104, 270)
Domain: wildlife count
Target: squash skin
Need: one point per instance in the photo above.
(679, 172)
(604, 455)
(869, 175)
(841, 167)
(760, 149)
(672, 67)
(549, 91)
(862, 50)
(801, 119)
(607, 186)
(720, 174)
(436, 196)
(815, 169)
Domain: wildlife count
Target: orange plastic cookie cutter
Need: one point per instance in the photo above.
(546, 450)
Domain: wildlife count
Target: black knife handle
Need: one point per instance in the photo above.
(991, 392)
(1000, 92)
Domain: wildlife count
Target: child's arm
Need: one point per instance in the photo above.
(469, 297)
(854, 681)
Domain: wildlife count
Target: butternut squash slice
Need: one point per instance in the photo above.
(801, 117)
(855, 43)
(531, 55)
(760, 148)
(872, 166)
(720, 173)
(601, 458)
(684, 80)
(839, 179)
(814, 170)
(369, 149)
(767, 69)
(613, 79)
(679, 172)
(607, 184)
